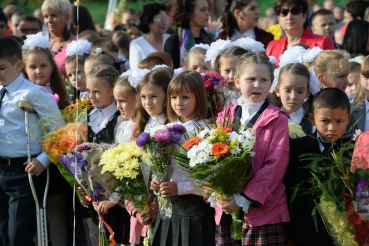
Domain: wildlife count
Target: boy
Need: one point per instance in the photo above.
(29, 25)
(17, 206)
(331, 115)
(324, 23)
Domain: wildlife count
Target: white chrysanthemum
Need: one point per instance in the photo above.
(203, 157)
(154, 129)
(235, 149)
(233, 136)
(192, 152)
(36, 40)
(83, 47)
(204, 133)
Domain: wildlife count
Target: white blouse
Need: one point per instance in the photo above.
(99, 118)
(296, 116)
(155, 120)
(249, 110)
(124, 132)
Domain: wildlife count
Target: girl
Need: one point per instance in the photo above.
(292, 91)
(332, 68)
(40, 68)
(71, 66)
(263, 200)
(196, 59)
(353, 80)
(192, 220)
(361, 103)
(100, 57)
(225, 65)
(102, 121)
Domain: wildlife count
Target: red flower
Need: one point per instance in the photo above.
(208, 84)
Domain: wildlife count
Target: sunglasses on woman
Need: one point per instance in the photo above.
(295, 10)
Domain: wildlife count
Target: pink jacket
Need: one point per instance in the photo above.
(269, 164)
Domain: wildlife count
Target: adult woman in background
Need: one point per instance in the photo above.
(190, 18)
(85, 19)
(153, 24)
(356, 38)
(57, 18)
(240, 20)
(291, 16)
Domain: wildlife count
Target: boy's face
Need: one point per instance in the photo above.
(3, 28)
(9, 71)
(330, 123)
(324, 25)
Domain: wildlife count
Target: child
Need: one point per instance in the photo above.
(18, 212)
(192, 221)
(3, 24)
(361, 103)
(263, 200)
(195, 60)
(132, 30)
(353, 80)
(71, 66)
(102, 121)
(150, 62)
(331, 115)
(122, 40)
(41, 69)
(332, 68)
(100, 57)
(225, 64)
(324, 24)
(291, 92)
(107, 45)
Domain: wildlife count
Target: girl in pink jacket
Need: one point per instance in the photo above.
(263, 200)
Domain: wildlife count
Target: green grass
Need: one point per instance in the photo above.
(98, 9)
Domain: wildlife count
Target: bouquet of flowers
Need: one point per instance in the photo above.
(82, 163)
(219, 161)
(295, 131)
(158, 144)
(76, 108)
(131, 174)
(215, 87)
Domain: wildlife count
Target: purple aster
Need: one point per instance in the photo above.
(362, 189)
(176, 137)
(179, 128)
(142, 139)
(214, 81)
(163, 135)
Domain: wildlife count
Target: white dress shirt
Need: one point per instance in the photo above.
(99, 118)
(296, 116)
(249, 110)
(124, 132)
(248, 34)
(48, 88)
(13, 138)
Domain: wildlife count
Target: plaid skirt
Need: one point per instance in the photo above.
(267, 235)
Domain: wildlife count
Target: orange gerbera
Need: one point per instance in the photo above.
(219, 149)
(226, 129)
(191, 142)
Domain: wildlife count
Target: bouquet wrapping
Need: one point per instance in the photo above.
(82, 163)
(125, 163)
(158, 144)
(218, 163)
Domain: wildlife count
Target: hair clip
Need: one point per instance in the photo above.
(81, 46)
(99, 50)
(36, 40)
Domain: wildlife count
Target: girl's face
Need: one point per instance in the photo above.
(134, 32)
(55, 21)
(125, 103)
(292, 90)
(254, 83)
(228, 69)
(38, 68)
(197, 63)
(184, 105)
(90, 64)
(337, 80)
(364, 85)
(70, 68)
(153, 98)
(101, 95)
(200, 15)
(353, 79)
(249, 15)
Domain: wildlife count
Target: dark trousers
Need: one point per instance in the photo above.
(18, 223)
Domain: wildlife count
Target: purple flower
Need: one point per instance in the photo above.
(176, 137)
(142, 139)
(163, 135)
(363, 205)
(66, 161)
(362, 189)
(179, 128)
(214, 81)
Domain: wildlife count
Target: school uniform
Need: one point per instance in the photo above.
(17, 206)
(301, 229)
(192, 221)
(359, 114)
(298, 118)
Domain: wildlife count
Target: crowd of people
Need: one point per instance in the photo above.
(302, 63)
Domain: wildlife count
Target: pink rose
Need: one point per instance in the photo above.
(208, 84)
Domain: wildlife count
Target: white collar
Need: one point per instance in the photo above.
(321, 147)
(249, 110)
(249, 34)
(297, 116)
(108, 112)
(155, 120)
